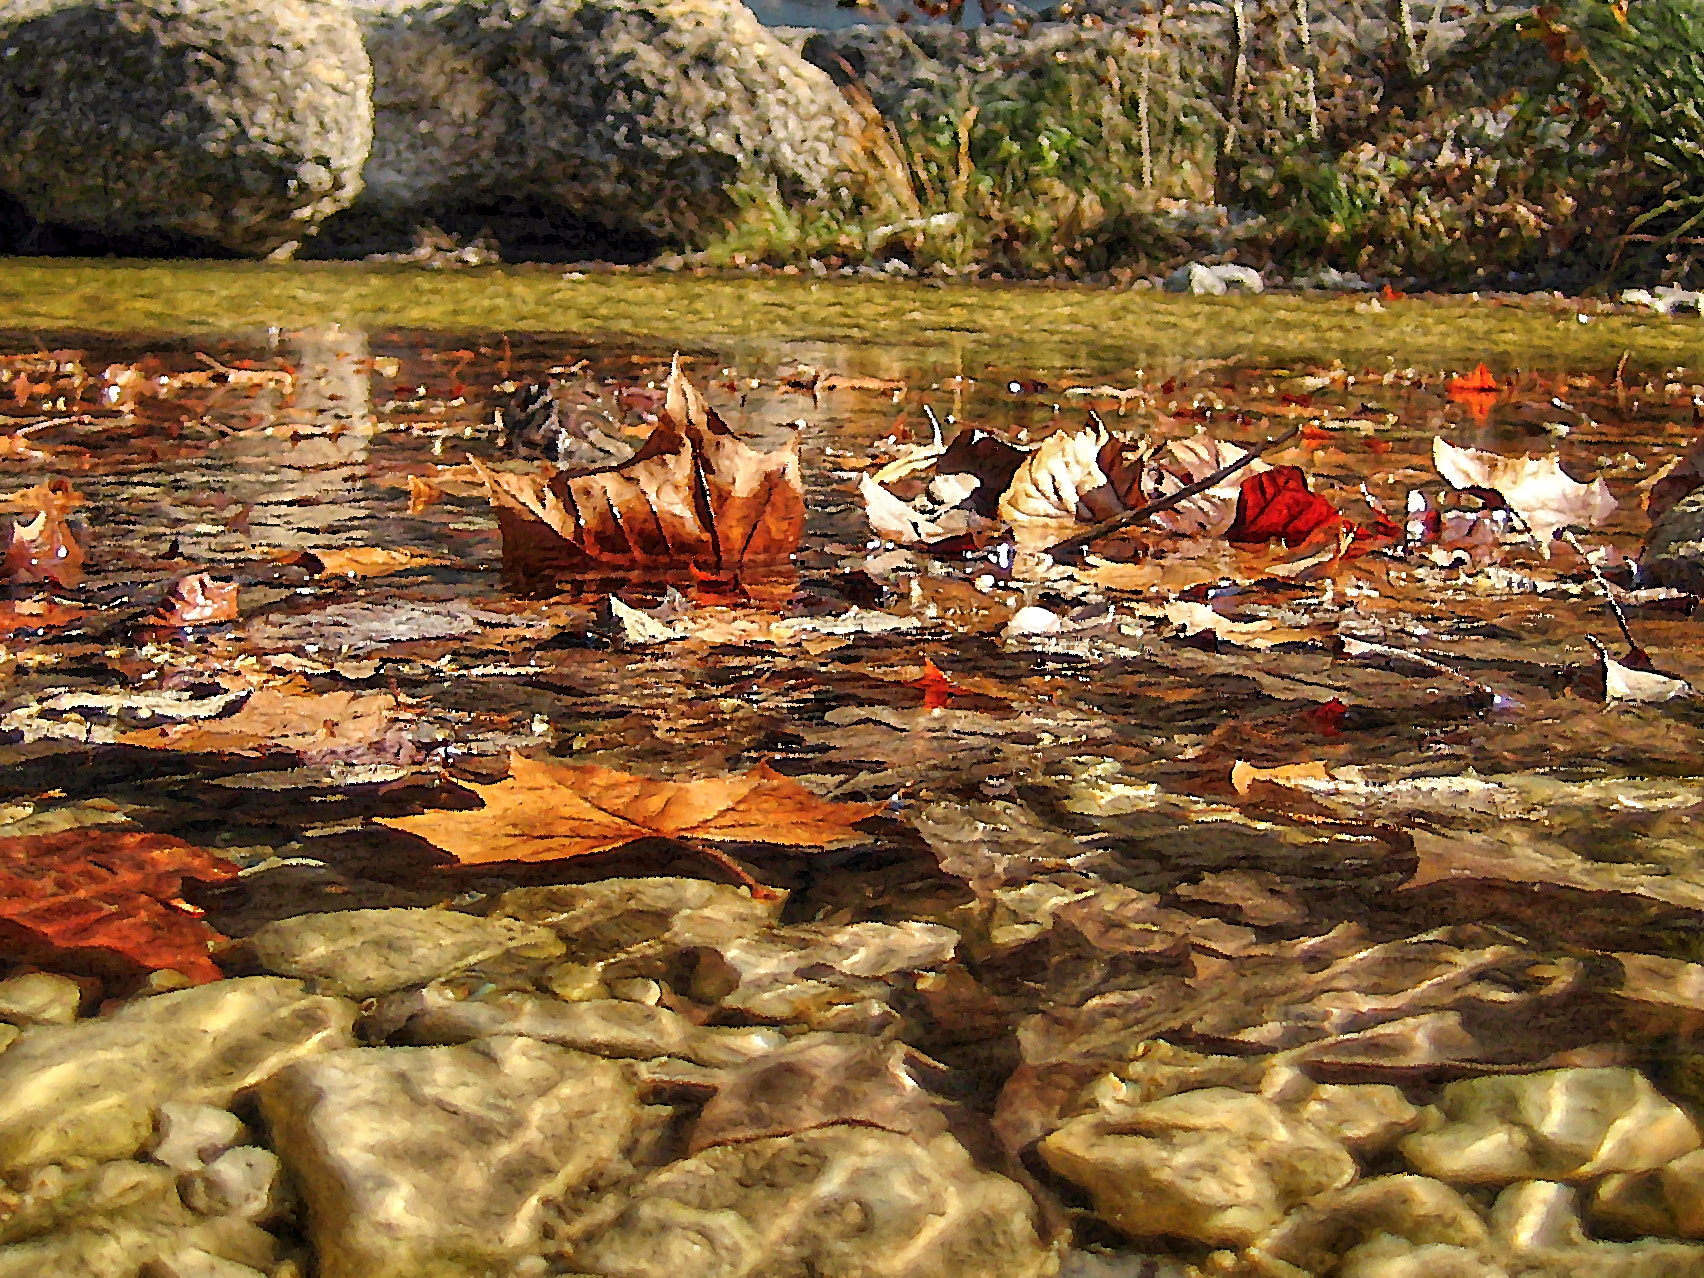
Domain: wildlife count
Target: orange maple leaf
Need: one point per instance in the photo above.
(938, 688)
(1478, 390)
(546, 811)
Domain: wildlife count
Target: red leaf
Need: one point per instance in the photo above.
(938, 688)
(95, 892)
(1478, 390)
(1276, 505)
(1327, 718)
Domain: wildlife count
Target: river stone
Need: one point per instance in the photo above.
(1674, 548)
(839, 1202)
(1669, 1200)
(635, 927)
(438, 1160)
(191, 1136)
(1215, 1165)
(242, 122)
(113, 1220)
(1351, 1230)
(91, 1090)
(40, 998)
(1564, 1124)
(1537, 1225)
(640, 114)
(360, 953)
(603, 1027)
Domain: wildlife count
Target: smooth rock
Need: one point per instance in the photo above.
(1669, 1200)
(840, 1202)
(91, 1090)
(439, 1160)
(1367, 1117)
(360, 953)
(638, 927)
(818, 1080)
(1674, 548)
(40, 998)
(603, 1027)
(640, 114)
(1566, 1124)
(114, 1220)
(833, 978)
(1215, 1165)
(1412, 1212)
(191, 1136)
(243, 1182)
(1537, 1224)
(116, 117)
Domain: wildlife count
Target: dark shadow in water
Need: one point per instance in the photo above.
(520, 229)
(22, 236)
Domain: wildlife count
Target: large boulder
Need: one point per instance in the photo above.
(642, 115)
(240, 122)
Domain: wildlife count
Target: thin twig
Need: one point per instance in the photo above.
(1119, 522)
(1603, 585)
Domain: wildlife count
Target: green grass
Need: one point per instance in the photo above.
(1019, 326)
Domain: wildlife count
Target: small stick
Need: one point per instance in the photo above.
(1129, 517)
(1609, 596)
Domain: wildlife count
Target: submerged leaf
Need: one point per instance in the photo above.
(281, 720)
(549, 811)
(93, 892)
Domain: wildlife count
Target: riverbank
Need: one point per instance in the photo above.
(1039, 328)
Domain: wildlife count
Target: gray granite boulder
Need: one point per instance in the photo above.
(639, 114)
(241, 122)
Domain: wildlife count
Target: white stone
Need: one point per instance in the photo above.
(359, 953)
(192, 1135)
(243, 1182)
(1215, 1165)
(40, 998)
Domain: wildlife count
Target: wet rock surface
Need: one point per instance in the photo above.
(438, 1160)
(114, 120)
(90, 1090)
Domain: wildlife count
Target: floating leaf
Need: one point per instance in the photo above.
(1059, 484)
(1277, 505)
(892, 518)
(44, 548)
(198, 600)
(938, 689)
(91, 891)
(1244, 775)
(553, 811)
(272, 718)
(1534, 487)
(1478, 390)
(693, 495)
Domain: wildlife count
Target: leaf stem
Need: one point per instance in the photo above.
(1121, 521)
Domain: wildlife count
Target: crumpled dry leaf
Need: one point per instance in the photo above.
(1245, 774)
(89, 891)
(1630, 683)
(548, 811)
(276, 719)
(1182, 462)
(1535, 488)
(198, 600)
(892, 518)
(693, 495)
(44, 548)
(1058, 486)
